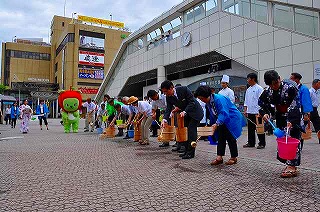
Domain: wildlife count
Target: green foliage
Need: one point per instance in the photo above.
(123, 36)
(3, 88)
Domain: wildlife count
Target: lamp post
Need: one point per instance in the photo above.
(110, 20)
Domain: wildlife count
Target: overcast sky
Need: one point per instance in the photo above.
(32, 18)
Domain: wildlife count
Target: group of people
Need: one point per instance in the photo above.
(291, 104)
(25, 112)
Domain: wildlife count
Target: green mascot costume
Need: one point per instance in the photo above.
(70, 102)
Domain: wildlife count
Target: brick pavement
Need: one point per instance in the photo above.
(53, 171)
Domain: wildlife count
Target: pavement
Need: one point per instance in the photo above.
(53, 171)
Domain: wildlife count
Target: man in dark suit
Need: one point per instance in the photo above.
(181, 100)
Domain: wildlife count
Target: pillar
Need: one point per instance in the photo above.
(161, 74)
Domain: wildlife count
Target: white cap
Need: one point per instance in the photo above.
(225, 78)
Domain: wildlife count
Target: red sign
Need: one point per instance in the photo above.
(86, 90)
(91, 58)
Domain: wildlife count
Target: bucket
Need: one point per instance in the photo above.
(119, 122)
(205, 131)
(167, 134)
(212, 140)
(104, 118)
(137, 132)
(110, 132)
(99, 130)
(181, 134)
(287, 150)
(130, 133)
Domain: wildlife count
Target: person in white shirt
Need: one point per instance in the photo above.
(158, 103)
(7, 117)
(314, 115)
(251, 110)
(226, 91)
(91, 108)
(144, 117)
(101, 112)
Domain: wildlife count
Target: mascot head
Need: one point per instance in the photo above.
(70, 101)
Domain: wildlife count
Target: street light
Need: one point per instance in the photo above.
(110, 20)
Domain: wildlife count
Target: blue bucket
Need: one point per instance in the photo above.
(99, 130)
(130, 133)
(212, 141)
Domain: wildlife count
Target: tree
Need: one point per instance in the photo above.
(3, 88)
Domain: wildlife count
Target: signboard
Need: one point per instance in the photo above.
(317, 71)
(100, 21)
(90, 73)
(91, 42)
(91, 58)
(86, 90)
(38, 80)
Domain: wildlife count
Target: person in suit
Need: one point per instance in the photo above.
(181, 100)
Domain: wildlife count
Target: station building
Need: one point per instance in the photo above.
(79, 55)
(196, 42)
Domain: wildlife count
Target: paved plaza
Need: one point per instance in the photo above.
(53, 171)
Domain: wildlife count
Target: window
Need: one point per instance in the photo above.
(188, 17)
(211, 6)
(167, 27)
(140, 43)
(228, 6)
(306, 22)
(199, 12)
(259, 10)
(242, 7)
(176, 22)
(283, 16)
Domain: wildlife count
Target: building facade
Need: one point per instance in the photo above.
(196, 42)
(78, 56)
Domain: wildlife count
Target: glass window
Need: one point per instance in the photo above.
(242, 7)
(188, 17)
(228, 6)
(153, 35)
(149, 37)
(176, 22)
(140, 43)
(283, 16)
(259, 10)
(306, 22)
(158, 32)
(199, 12)
(211, 6)
(166, 27)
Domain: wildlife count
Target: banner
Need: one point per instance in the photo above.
(91, 58)
(100, 21)
(316, 71)
(86, 90)
(90, 73)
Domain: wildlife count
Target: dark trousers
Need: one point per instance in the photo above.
(155, 127)
(7, 118)
(252, 132)
(13, 122)
(295, 132)
(192, 125)
(44, 119)
(225, 135)
(315, 119)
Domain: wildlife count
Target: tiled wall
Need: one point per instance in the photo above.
(255, 45)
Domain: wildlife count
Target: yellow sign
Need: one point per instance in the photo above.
(100, 21)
